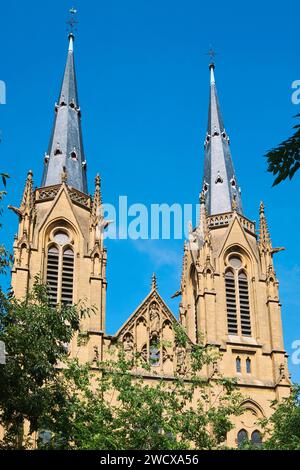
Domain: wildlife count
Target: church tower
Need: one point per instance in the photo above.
(229, 288)
(60, 224)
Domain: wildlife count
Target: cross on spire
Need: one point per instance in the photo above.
(66, 147)
(212, 55)
(72, 22)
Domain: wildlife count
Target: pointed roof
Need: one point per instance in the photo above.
(153, 282)
(66, 147)
(219, 182)
(264, 234)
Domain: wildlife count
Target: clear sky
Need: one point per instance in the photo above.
(143, 86)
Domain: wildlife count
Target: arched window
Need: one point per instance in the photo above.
(232, 323)
(256, 438)
(67, 276)
(237, 298)
(242, 437)
(52, 274)
(248, 365)
(60, 270)
(244, 304)
(154, 352)
(238, 364)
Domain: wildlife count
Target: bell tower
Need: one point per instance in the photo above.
(229, 288)
(61, 225)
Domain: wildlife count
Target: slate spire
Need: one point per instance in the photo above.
(219, 183)
(65, 152)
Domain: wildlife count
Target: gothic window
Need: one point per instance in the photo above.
(256, 438)
(238, 365)
(242, 437)
(154, 351)
(60, 270)
(237, 299)
(67, 276)
(248, 365)
(52, 274)
(232, 323)
(244, 304)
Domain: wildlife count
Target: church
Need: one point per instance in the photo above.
(228, 289)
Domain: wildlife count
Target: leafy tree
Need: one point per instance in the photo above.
(284, 160)
(35, 335)
(121, 407)
(282, 429)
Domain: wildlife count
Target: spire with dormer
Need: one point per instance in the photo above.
(65, 152)
(219, 183)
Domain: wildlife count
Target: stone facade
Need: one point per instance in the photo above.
(229, 290)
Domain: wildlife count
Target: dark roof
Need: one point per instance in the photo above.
(66, 147)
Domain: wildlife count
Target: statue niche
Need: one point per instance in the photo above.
(154, 319)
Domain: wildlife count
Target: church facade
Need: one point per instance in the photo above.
(229, 290)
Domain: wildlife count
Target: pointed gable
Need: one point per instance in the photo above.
(236, 235)
(150, 332)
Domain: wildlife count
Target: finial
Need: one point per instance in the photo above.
(234, 203)
(202, 197)
(212, 54)
(98, 195)
(30, 175)
(72, 22)
(262, 208)
(64, 175)
(154, 282)
(98, 180)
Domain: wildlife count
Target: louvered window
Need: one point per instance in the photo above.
(231, 303)
(244, 305)
(237, 299)
(60, 271)
(53, 274)
(67, 277)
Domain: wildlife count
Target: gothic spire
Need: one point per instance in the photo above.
(97, 202)
(154, 282)
(264, 234)
(219, 182)
(66, 147)
(202, 228)
(28, 196)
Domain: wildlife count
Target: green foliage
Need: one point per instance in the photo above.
(284, 160)
(124, 406)
(282, 429)
(35, 336)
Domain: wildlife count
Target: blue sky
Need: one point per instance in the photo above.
(143, 85)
